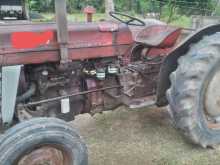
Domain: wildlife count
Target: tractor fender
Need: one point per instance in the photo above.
(170, 63)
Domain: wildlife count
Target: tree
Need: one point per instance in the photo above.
(193, 7)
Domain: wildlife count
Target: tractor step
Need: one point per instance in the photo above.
(138, 103)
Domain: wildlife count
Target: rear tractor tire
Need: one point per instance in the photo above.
(42, 141)
(194, 96)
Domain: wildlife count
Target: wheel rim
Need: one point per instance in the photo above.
(212, 99)
(47, 155)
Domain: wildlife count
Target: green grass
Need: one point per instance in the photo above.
(180, 21)
(142, 137)
(77, 17)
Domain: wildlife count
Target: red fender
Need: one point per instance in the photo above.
(160, 38)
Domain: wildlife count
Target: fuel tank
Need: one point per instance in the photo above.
(33, 43)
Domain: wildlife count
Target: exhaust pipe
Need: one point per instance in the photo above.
(62, 30)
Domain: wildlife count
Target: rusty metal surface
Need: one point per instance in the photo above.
(37, 57)
(43, 156)
(73, 94)
(86, 41)
(158, 36)
(96, 99)
(89, 11)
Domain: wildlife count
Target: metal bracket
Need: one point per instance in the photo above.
(10, 82)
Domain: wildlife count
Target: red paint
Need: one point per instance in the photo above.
(43, 56)
(153, 52)
(108, 27)
(171, 39)
(161, 36)
(29, 40)
(166, 47)
(86, 41)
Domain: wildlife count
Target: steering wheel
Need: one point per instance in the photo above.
(131, 20)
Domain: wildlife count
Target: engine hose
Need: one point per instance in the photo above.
(30, 92)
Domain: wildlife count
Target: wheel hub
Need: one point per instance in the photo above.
(212, 97)
(43, 156)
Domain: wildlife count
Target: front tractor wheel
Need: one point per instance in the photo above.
(42, 141)
(194, 96)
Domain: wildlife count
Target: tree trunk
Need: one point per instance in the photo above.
(216, 7)
(109, 6)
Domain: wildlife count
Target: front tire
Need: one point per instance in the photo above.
(42, 141)
(194, 96)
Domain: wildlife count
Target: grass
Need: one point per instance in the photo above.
(181, 21)
(142, 137)
(77, 17)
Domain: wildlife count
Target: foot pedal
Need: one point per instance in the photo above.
(138, 103)
(141, 104)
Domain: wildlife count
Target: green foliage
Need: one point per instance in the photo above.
(77, 5)
(38, 5)
(217, 11)
(171, 11)
(72, 5)
(186, 7)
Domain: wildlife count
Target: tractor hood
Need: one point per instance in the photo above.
(37, 43)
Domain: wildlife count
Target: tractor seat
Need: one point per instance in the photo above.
(160, 36)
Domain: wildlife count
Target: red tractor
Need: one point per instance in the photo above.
(52, 72)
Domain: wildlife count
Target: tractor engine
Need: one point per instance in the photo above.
(130, 85)
(46, 81)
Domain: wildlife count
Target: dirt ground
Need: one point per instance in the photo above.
(140, 137)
